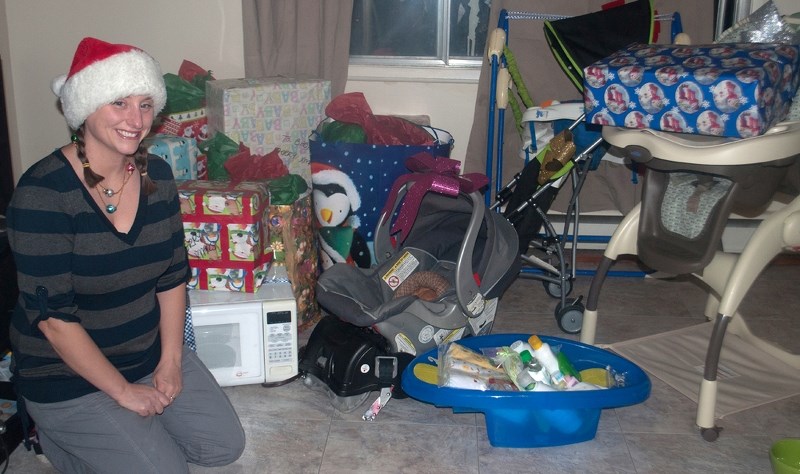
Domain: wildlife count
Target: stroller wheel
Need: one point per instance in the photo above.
(570, 317)
(554, 289)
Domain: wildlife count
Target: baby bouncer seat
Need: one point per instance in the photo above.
(692, 184)
(443, 261)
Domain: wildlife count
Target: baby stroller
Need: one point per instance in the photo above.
(528, 196)
(443, 261)
(569, 152)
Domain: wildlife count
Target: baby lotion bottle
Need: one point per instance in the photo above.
(545, 356)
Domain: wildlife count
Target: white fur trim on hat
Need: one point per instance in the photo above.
(132, 72)
(326, 174)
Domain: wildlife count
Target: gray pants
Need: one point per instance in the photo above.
(93, 434)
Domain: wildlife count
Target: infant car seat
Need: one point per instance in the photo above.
(441, 283)
(443, 260)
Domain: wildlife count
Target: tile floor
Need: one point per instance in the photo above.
(294, 429)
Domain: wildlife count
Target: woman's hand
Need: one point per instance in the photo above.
(168, 379)
(82, 355)
(143, 400)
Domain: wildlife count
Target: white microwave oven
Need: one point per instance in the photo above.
(247, 338)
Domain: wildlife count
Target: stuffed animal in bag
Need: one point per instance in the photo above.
(335, 201)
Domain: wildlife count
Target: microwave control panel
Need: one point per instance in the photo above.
(281, 345)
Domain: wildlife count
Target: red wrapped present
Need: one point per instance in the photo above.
(226, 232)
(187, 124)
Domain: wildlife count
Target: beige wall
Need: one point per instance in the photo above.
(38, 39)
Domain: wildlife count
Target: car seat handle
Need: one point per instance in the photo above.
(384, 250)
(470, 299)
(428, 174)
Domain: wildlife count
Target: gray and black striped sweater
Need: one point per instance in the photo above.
(73, 265)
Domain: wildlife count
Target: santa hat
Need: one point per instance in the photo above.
(102, 73)
(322, 173)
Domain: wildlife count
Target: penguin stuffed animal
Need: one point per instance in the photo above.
(335, 201)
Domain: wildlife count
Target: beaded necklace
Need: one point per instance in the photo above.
(110, 193)
(107, 192)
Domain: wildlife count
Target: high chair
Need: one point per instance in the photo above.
(711, 177)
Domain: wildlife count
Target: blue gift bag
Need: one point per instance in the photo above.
(364, 173)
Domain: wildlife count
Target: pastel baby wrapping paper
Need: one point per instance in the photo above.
(268, 114)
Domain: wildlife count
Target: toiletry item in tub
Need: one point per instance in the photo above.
(535, 369)
(545, 356)
(567, 369)
(512, 364)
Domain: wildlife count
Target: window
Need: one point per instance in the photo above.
(419, 32)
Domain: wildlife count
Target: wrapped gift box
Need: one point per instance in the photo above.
(181, 153)
(731, 90)
(187, 124)
(226, 232)
(294, 242)
(269, 113)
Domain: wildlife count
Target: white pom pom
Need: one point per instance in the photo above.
(57, 84)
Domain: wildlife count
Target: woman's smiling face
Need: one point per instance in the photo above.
(121, 125)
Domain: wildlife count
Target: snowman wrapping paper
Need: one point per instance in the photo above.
(730, 90)
(226, 234)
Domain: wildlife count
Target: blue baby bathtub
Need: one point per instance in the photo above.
(536, 419)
